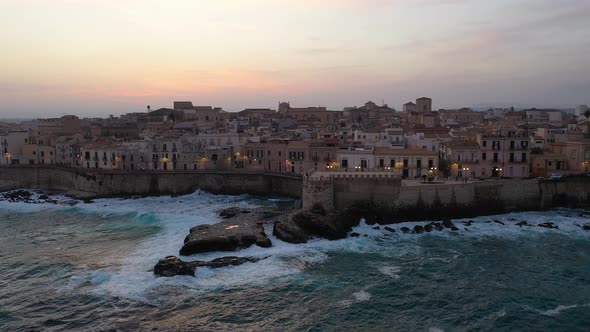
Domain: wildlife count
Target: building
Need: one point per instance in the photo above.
(577, 154)
(424, 105)
(504, 153)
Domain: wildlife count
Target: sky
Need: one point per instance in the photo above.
(104, 57)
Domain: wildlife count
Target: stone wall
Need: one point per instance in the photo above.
(82, 183)
(435, 201)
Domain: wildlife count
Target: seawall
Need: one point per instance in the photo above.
(84, 183)
(388, 200)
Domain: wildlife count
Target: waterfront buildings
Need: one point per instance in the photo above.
(418, 141)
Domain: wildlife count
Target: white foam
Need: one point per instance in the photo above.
(360, 296)
(560, 308)
(390, 271)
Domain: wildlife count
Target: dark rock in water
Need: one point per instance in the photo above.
(232, 212)
(404, 230)
(454, 229)
(88, 201)
(549, 225)
(354, 234)
(428, 228)
(468, 223)
(173, 266)
(389, 229)
(437, 226)
(447, 223)
(498, 222)
(43, 197)
(511, 219)
(289, 232)
(227, 235)
(17, 196)
(318, 209)
(377, 228)
(586, 227)
(315, 222)
(418, 229)
(522, 223)
(227, 261)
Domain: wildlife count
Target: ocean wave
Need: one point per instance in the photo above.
(561, 308)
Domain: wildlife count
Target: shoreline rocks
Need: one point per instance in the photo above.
(173, 266)
(228, 235)
(317, 222)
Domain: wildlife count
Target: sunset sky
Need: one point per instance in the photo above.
(111, 57)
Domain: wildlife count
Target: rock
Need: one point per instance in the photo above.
(389, 229)
(17, 196)
(454, 229)
(354, 234)
(586, 227)
(173, 266)
(522, 223)
(404, 230)
(468, 223)
(376, 228)
(437, 226)
(227, 261)
(232, 212)
(228, 235)
(43, 197)
(447, 223)
(549, 225)
(87, 201)
(289, 232)
(418, 229)
(315, 222)
(318, 208)
(428, 228)
(498, 222)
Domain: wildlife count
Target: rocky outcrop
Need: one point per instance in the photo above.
(389, 229)
(316, 222)
(228, 235)
(232, 212)
(586, 227)
(447, 223)
(549, 225)
(173, 266)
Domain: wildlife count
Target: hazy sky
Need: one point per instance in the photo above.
(112, 57)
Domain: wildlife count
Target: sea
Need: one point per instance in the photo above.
(88, 267)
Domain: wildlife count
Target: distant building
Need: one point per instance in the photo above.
(424, 105)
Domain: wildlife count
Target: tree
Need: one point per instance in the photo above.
(444, 167)
(587, 114)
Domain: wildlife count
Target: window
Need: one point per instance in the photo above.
(512, 156)
(523, 157)
(483, 156)
(392, 163)
(495, 157)
(381, 163)
(406, 163)
(419, 163)
(485, 143)
(345, 163)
